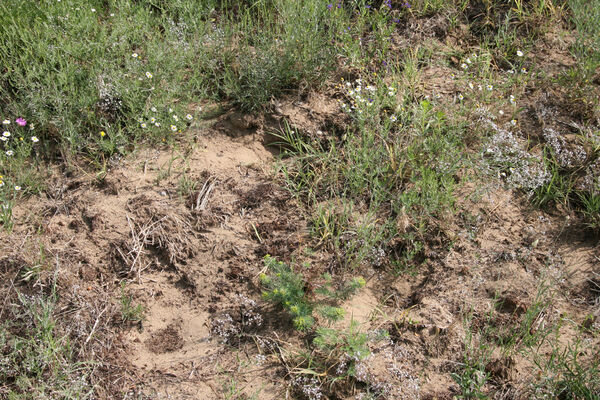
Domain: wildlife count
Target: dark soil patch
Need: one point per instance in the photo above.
(166, 340)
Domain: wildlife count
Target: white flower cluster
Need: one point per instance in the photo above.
(247, 317)
(215, 37)
(310, 387)
(359, 96)
(566, 158)
(251, 318)
(504, 151)
(155, 122)
(591, 179)
(109, 99)
(360, 99)
(225, 327)
(177, 31)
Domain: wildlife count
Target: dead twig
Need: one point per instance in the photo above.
(93, 328)
(204, 193)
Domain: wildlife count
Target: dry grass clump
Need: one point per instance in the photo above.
(158, 236)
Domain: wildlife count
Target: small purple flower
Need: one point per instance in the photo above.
(329, 6)
(406, 5)
(21, 122)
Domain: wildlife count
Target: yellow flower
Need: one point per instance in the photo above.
(360, 281)
(102, 133)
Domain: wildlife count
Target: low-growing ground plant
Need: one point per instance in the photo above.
(40, 362)
(335, 353)
(130, 312)
(568, 372)
(397, 161)
(6, 219)
(472, 376)
(186, 186)
(285, 287)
